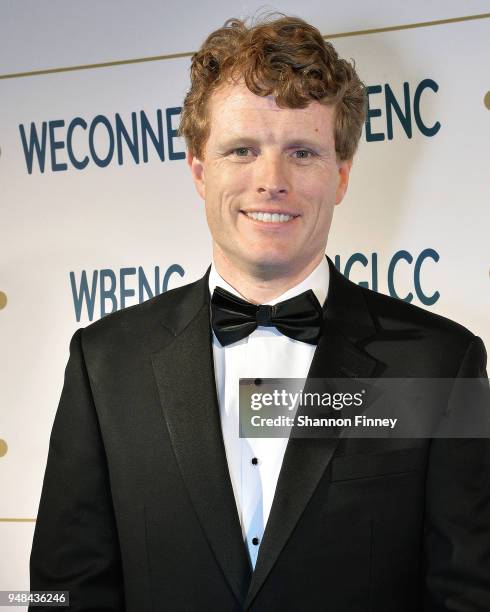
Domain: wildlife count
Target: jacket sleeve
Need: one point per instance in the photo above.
(457, 522)
(75, 546)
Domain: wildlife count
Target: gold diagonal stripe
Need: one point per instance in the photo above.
(408, 26)
(157, 58)
(137, 60)
(17, 520)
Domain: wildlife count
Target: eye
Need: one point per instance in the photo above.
(303, 154)
(241, 151)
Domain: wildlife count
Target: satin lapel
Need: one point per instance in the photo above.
(346, 321)
(184, 373)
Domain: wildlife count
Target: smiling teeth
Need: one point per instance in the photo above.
(269, 217)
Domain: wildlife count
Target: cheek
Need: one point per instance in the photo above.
(319, 196)
(225, 188)
(221, 206)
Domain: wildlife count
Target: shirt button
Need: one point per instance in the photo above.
(254, 460)
(257, 382)
(255, 541)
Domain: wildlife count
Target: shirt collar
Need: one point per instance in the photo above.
(317, 281)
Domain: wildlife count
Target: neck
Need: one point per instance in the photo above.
(261, 285)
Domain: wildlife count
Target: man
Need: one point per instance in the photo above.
(151, 501)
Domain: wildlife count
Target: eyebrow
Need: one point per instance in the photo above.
(231, 142)
(243, 141)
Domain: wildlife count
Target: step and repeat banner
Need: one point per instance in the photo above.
(98, 211)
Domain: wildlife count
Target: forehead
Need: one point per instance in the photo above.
(234, 109)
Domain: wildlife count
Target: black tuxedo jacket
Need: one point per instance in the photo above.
(137, 511)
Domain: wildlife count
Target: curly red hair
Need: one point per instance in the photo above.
(285, 57)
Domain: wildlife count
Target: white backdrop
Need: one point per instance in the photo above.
(423, 198)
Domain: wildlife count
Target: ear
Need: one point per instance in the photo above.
(344, 171)
(197, 170)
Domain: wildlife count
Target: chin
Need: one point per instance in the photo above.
(272, 263)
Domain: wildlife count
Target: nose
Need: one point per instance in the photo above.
(272, 178)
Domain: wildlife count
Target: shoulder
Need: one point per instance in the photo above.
(432, 333)
(148, 323)
(392, 312)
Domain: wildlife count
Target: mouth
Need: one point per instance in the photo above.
(268, 217)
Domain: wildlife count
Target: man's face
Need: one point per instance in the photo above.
(270, 179)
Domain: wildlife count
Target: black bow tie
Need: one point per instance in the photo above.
(233, 318)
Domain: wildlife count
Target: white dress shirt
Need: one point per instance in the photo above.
(265, 353)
